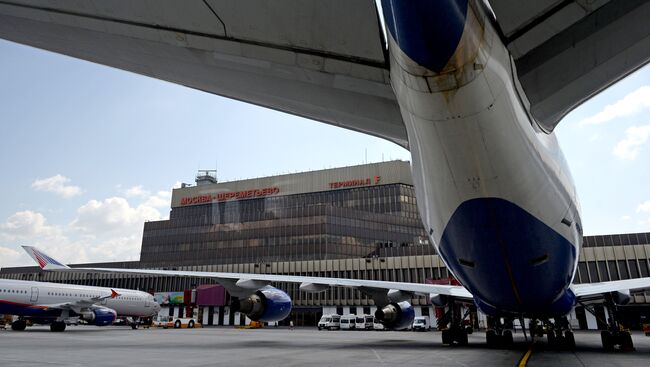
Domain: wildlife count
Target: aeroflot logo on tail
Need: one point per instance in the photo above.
(357, 182)
(223, 196)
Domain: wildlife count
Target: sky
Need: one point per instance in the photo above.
(89, 153)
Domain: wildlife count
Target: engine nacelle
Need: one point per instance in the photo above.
(438, 300)
(100, 316)
(267, 304)
(620, 298)
(396, 316)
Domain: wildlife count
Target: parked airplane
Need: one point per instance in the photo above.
(473, 89)
(61, 304)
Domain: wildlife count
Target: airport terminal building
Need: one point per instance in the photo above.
(350, 222)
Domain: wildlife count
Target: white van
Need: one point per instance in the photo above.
(421, 323)
(329, 322)
(348, 322)
(365, 322)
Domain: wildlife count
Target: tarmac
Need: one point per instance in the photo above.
(226, 346)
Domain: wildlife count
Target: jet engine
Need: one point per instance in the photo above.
(396, 316)
(439, 300)
(267, 304)
(100, 316)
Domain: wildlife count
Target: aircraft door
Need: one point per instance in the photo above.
(34, 297)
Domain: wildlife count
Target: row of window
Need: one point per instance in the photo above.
(19, 291)
(602, 271)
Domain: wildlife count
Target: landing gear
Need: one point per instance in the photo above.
(499, 335)
(616, 336)
(558, 333)
(457, 332)
(135, 323)
(18, 325)
(57, 326)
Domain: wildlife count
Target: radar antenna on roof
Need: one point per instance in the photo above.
(206, 177)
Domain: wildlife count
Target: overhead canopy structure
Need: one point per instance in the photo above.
(568, 51)
(326, 60)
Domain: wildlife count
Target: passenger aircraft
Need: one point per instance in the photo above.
(473, 89)
(61, 304)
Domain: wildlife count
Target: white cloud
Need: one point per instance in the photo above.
(137, 191)
(28, 224)
(11, 257)
(57, 185)
(627, 106)
(629, 147)
(626, 218)
(643, 207)
(113, 215)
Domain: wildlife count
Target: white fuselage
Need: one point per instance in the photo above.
(27, 298)
(494, 191)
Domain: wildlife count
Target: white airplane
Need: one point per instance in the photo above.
(473, 89)
(61, 304)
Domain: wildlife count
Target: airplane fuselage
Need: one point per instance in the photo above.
(494, 191)
(31, 299)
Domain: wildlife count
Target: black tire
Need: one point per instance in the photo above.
(491, 338)
(507, 337)
(177, 324)
(625, 339)
(57, 327)
(190, 325)
(461, 336)
(469, 330)
(134, 326)
(551, 338)
(607, 340)
(569, 340)
(18, 325)
(447, 338)
(320, 328)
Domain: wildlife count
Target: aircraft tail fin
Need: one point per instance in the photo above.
(45, 261)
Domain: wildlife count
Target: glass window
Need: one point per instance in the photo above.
(634, 269)
(613, 273)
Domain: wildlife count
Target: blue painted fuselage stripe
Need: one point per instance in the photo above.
(9, 308)
(509, 259)
(427, 31)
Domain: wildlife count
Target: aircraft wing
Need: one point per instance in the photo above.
(567, 51)
(79, 305)
(324, 60)
(595, 290)
(242, 283)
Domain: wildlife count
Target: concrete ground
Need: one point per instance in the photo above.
(121, 346)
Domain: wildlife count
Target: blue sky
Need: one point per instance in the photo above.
(90, 152)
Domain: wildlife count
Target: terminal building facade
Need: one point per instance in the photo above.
(351, 222)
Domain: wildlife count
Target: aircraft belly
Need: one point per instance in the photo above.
(493, 190)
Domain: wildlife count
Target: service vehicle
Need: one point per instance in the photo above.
(329, 322)
(348, 322)
(421, 323)
(167, 322)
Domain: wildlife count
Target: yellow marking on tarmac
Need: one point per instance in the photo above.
(524, 360)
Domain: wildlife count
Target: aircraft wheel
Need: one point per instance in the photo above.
(569, 340)
(551, 339)
(177, 324)
(18, 325)
(57, 326)
(491, 338)
(507, 337)
(134, 326)
(607, 340)
(447, 338)
(190, 324)
(469, 330)
(460, 335)
(625, 339)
